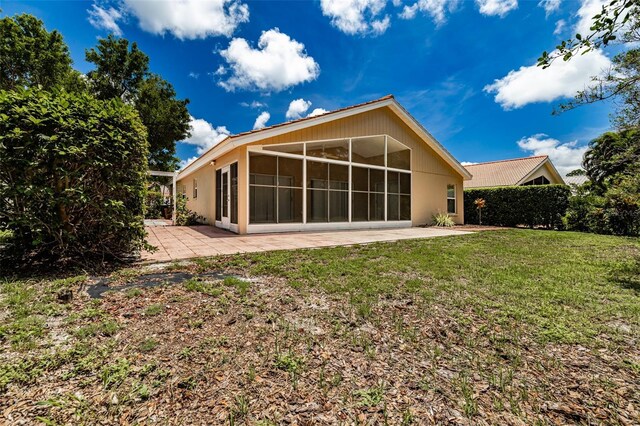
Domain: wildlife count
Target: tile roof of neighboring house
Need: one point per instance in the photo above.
(502, 173)
(576, 180)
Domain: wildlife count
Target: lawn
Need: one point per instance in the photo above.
(497, 327)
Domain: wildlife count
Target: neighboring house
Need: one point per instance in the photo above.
(370, 165)
(537, 170)
(576, 180)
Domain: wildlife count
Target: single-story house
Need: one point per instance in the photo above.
(370, 165)
(538, 170)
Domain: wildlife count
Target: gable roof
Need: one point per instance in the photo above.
(389, 101)
(507, 172)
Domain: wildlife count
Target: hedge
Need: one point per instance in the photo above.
(72, 176)
(536, 205)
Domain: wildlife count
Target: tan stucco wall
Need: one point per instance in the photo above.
(430, 173)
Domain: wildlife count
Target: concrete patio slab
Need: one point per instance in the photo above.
(184, 242)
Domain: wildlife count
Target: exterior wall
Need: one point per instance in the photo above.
(430, 173)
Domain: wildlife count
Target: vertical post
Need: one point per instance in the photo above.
(175, 193)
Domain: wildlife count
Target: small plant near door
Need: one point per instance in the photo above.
(184, 216)
(480, 204)
(443, 219)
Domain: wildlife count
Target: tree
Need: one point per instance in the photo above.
(122, 72)
(577, 172)
(166, 119)
(119, 70)
(611, 156)
(618, 22)
(30, 55)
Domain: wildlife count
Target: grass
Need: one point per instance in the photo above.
(494, 326)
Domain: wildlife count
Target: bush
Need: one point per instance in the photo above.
(443, 219)
(154, 205)
(184, 216)
(72, 176)
(537, 205)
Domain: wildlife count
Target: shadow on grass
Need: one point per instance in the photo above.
(628, 275)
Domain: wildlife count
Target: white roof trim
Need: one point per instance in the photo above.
(219, 149)
(553, 169)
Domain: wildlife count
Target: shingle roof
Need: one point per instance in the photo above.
(502, 173)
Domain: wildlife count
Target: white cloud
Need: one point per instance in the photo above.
(105, 19)
(194, 75)
(496, 7)
(278, 63)
(185, 163)
(253, 104)
(189, 19)
(357, 16)
(261, 121)
(317, 111)
(535, 84)
(297, 108)
(560, 27)
(204, 135)
(437, 9)
(468, 163)
(588, 9)
(565, 156)
(550, 6)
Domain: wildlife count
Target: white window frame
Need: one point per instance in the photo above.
(318, 226)
(454, 198)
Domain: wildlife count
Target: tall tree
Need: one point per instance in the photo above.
(122, 71)
(30, 55)
(166, 118)
(612, 156)
(119, 70)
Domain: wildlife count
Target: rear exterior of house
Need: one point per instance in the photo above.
(367, 166)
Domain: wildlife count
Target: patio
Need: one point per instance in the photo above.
(184, 242)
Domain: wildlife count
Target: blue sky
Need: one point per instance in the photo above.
(465, 69)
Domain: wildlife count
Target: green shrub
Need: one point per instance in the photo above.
(443, 219)
(184, 216)
(537, 205)
(72, 176)
(154, 204)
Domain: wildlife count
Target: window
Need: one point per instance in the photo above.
(398, 196)
(219, 195)
(195, 189)
(184, 190)
(234, 192)
(369, 150)
(537, 181)
(451, 199)
(275, 189)
(335, 150)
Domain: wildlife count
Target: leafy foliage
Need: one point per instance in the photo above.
(184, 216)
(611, 154)
(154, 204)
(72, 175)
(30, 55)
(122, 72)
(534, 205)
(443, 219)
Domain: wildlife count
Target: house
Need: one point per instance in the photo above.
(538, 170)
(370, 165)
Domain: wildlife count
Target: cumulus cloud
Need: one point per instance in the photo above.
(188, 19)
(105, 19)
(560, 27)
(297, 108)
(561, 80)
(565, 156)
(253, 104)
(357, 16)
(550, 6)
(496, 7)
(317, 111)
(204, 135)
(468, 163)
(278, 63)
(185, 163)
(261, 121)
(588, 9)
(437, 9)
